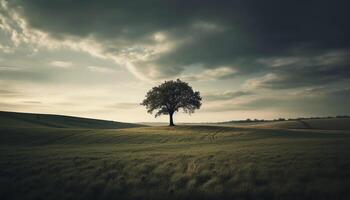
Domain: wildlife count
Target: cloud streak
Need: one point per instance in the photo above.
(211, 74)
(61, 64)
(226, 95)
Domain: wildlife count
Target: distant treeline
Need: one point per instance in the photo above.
(289, 119)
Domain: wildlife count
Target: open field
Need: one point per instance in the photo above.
(183, 162)
(318, 124)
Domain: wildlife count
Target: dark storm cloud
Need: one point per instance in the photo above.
(211, 34)
(300, 76)
(345, 93)
(328, 102)
(294, 72)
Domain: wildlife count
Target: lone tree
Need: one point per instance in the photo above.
(169, 97)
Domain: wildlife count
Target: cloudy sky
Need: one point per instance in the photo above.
(248, 58)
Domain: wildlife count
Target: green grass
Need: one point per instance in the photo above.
(317, 124)
(31, 120)
(184, 162)
(58, 157)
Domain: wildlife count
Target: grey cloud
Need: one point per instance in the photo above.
(211, 74)
(295, 79)
(35, 74)
(9, 68)
(9, 93)
(320, 105)
(100, 69)
(212, 34)
(256, 105)
(345, 93)
(337, 91)
(61, 64)
(226, 95)
(340, 57)
(294, 72)
(64, 73)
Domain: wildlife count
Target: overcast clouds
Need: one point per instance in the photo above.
(242, 55)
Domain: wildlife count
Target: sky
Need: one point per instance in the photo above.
(248, 58)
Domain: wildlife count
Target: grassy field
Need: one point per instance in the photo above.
(183, 162)
(319, 124)
(31, 120)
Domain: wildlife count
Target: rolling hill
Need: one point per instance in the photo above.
(58, 157)
(317, 124)
(31, 120)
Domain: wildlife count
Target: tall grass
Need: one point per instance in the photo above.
(186, 162)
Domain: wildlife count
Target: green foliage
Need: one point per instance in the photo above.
(170, 97)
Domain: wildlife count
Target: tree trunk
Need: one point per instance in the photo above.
(171, 119)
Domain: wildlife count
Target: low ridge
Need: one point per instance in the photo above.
(15, 119)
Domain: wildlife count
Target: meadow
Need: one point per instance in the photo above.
(181, 162)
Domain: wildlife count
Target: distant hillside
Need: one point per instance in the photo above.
(30, 120)
(319, 124)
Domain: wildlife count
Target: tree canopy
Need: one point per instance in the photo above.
(171, 96)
